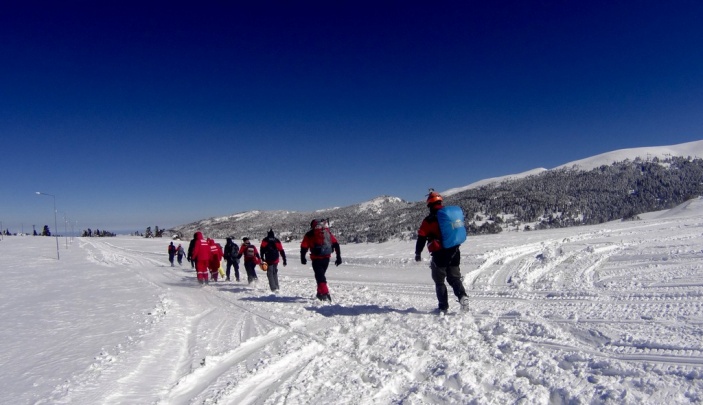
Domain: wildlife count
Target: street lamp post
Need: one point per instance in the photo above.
(55, 224)
(65, 229)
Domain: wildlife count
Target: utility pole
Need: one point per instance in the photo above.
(55, 224)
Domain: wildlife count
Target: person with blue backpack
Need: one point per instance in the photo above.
(443, 231)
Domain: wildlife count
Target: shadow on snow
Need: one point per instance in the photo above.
(355, 310)
(275, 298)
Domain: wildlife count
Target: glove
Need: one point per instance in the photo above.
(418, 257)
(303, 260)
(338, 261)
(285, 263)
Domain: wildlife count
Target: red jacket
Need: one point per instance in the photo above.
(309, 242)
(201, 251)
(215, 254)
(429, 231)
(250, 253)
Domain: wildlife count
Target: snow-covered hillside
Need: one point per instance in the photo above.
(601, 314)
(378, 204)
(692, 149)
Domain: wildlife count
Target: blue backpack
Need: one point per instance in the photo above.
(451, 226)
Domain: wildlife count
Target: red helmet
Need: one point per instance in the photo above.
(319, 223)
(433, 198)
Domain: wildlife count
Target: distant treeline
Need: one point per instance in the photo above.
(552, 199)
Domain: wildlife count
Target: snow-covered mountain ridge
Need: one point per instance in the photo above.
(692, 149)
(570, 194)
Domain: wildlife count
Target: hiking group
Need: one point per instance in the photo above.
(205, 256)
(442, 231)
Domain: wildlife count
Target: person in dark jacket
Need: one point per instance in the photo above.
(191, 245)
(171, 253)
(272, 252)
(321, 243)
(445, 262)
(231, 252)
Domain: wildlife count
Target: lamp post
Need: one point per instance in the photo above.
(55, 224)
(65, 229)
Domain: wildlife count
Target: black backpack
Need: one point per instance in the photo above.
(270, 253)
(234, 251)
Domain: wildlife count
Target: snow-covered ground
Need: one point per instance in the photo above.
(603, 314)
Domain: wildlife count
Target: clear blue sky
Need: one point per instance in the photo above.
(139, 114)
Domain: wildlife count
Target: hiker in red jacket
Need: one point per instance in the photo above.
(201, 256)
(445, 262)
(251, 259)
(215, 258)
(321, 243)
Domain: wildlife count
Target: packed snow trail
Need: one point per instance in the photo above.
(612, 313)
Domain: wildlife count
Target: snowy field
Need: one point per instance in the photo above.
(603, 314)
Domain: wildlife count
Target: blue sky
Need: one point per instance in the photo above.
(161, 113)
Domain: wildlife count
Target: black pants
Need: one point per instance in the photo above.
(234, 263)
(452, 274)
(250, 267)
(319, 266)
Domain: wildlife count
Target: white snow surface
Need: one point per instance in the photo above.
(600, 314)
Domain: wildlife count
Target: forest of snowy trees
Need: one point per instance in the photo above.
(553, 198)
